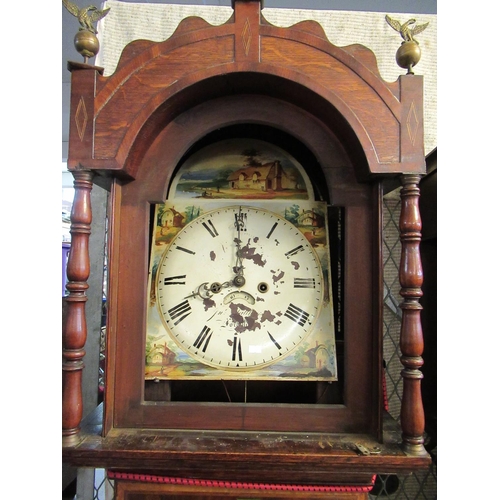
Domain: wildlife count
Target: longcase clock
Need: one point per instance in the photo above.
(245, 271)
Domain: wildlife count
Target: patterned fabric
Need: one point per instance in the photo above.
(149, 478)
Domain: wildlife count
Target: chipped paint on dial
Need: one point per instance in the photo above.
(232, 242)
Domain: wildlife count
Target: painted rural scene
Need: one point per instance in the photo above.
(241, 169)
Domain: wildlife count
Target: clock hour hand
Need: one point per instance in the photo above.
(203, 291)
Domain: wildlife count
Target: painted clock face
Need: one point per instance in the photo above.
(239, 288)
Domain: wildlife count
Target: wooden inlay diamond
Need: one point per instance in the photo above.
(81, 118)
(246, 36)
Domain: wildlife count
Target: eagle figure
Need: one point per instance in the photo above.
(405, 29)
(86, 16)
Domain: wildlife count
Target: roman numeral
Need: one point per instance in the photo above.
(272, 230)
(304, 283)
(180, 312)
(239, 221)
(296, 314)
(237, 349)
(173, 280)
(182, 249)
(204, 336)
(210, 228)
(294, 251)
(274, 341)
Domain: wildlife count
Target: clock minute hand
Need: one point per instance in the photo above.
(239, 279)
(239, 263)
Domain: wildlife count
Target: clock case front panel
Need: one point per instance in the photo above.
(285, 123)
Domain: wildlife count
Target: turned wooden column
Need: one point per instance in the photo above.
(411, 340)
(75, 324)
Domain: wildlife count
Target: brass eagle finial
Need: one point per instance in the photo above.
(86, 42)
(86, 16)
(409, 52)
(405, 30)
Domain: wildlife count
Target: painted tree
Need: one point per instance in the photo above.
(250, 155)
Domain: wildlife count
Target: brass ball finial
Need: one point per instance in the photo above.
(86, 42)
(409, 53)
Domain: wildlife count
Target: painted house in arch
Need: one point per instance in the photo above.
(268, 177)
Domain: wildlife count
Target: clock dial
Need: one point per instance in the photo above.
(239, 288)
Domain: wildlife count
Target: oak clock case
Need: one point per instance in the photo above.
(129, 133)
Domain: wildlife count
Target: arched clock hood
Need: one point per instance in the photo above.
(380, 123)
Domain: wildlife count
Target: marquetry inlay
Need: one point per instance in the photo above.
(246, 36)
(412, 123)
(81, 118)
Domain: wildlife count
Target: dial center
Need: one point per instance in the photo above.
(239, 281)
(215, 287)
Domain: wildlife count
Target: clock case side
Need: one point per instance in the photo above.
(235, 87)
